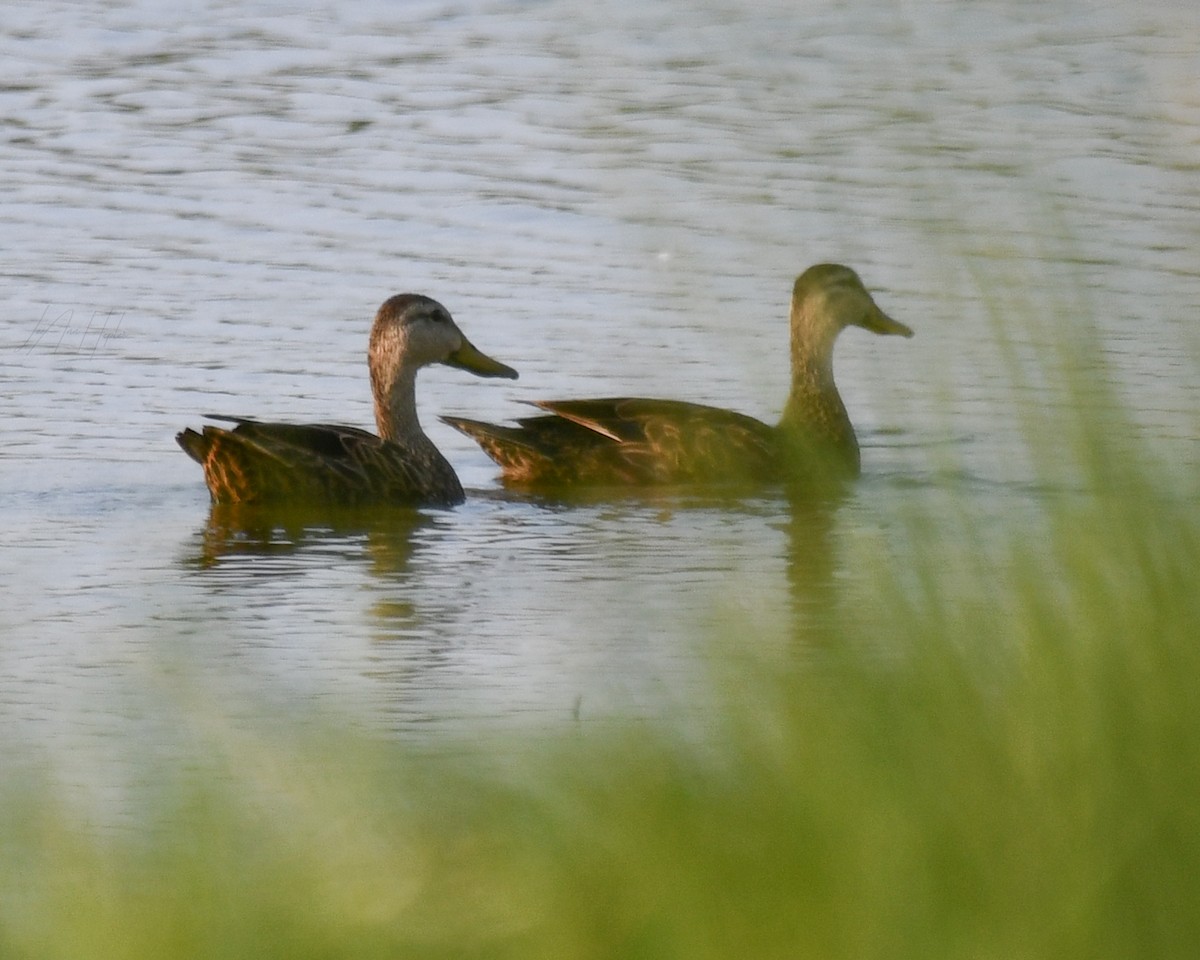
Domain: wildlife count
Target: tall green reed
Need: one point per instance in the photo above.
(995, 755)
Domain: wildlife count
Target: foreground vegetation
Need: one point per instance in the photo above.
(1003, 763)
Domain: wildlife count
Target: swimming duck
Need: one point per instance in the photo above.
(258, 461)
(638, 441)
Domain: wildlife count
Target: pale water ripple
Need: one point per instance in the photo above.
(205, 203)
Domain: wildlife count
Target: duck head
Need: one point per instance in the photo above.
(412, 331)
(829, 297)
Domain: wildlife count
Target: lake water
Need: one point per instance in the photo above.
(204, 203)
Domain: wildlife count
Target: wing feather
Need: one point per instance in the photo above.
(325, 462)
(629, 440)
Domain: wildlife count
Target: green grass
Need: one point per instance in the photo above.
(999, 761)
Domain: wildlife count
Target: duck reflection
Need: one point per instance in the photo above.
(792, 531)
(812, 560)
(385, 536)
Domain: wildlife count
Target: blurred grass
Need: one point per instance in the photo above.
(1000, 758)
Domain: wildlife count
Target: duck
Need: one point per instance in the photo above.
(638, 441)
(257, 461)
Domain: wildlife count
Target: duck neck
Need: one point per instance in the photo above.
(815, 421)
(396, 405)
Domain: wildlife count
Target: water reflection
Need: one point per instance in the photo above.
(812, 561)
(208, 206)
(246, 531)
(808, 517)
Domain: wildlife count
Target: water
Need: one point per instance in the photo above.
(204, 204)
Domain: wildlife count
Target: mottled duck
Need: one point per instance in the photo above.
(284, 462)
(638, 441)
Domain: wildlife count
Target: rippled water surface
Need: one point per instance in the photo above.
(205, 203)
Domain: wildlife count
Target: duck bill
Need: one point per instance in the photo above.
(879, 322)
(467, 357)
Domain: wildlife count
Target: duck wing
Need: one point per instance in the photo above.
(258, 461)
(629, 440)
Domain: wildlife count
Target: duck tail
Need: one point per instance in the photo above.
(508, 446)
(194, 444)
(486, 433)
(236, 468)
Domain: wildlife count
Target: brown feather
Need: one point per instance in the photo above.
(335, 464)
(640, 441)
(317, 462)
